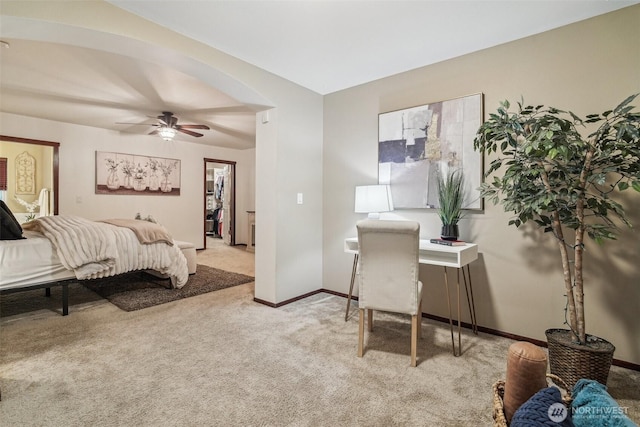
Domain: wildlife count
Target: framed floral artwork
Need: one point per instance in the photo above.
(417, 144)
(118, 173)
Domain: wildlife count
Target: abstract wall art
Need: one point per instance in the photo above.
(416, 144)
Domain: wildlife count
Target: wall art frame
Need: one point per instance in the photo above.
(132, 174)
(415, 144)
(25, 174)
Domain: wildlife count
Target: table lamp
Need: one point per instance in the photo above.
(373, 199)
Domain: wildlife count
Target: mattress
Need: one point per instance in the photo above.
(30, 261)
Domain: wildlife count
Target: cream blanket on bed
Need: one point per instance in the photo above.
(147, 232)
(95, 249)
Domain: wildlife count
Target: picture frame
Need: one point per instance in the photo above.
(132, 174)
(418, 143)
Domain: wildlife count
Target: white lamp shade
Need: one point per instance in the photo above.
(373, 199)
(167, 133)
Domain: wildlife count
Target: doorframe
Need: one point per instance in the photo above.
(233, 200)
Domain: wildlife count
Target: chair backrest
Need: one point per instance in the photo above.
(388, 265)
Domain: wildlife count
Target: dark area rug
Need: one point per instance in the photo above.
(136, 291)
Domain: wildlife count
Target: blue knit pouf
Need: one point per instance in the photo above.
(593, 406)
(545, 408)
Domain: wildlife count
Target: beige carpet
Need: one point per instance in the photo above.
(219, 359)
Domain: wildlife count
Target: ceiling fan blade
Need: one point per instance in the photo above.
(153, 132)
(136, 124)
(192, 127)
(188, 132)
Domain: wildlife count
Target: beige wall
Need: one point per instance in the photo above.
(586, 67)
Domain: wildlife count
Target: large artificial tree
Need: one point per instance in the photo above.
(545, 171)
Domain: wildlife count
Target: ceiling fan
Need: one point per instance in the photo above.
(168, 125)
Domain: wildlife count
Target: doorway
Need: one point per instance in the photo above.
(42, 174)
(219, 201)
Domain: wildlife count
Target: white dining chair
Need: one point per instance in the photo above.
(388, 274)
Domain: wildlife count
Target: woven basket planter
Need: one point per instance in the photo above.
(571, 361)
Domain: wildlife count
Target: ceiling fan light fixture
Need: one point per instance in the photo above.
(167, 133)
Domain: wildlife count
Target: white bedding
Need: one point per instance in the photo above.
(67, 247)
(30, 261)
(88, 248)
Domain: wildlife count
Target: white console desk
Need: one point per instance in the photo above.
(457, 257)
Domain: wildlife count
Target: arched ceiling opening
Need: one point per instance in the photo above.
(74, 75)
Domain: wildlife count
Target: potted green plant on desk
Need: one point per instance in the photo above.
(450, 198)
(547, 172)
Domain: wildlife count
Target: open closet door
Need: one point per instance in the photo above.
(219, 202)
(227, 205)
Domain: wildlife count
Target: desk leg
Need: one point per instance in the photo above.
(459, 320)
(446, 284)
(458, 352)
(353, 278)
(470, 301)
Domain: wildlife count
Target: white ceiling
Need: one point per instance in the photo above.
(322, 45)
(331, 45)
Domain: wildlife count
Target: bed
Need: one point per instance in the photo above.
(59, 250)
